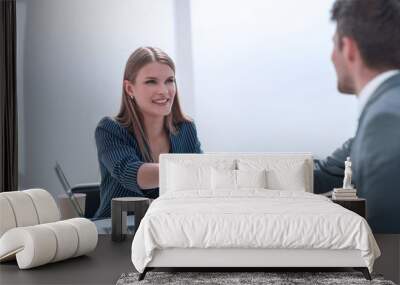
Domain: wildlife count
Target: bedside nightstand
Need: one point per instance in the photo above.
(119, 210)
(356, 205)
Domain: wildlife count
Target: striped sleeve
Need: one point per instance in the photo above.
(119, 158)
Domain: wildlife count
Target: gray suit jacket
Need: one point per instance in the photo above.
(375, 155)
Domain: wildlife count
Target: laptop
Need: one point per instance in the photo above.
(103, 225)
(67, 189)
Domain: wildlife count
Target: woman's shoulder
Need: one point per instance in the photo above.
(107, 122)
(110, 125)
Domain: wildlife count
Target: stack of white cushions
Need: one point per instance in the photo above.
(188, 173)
(31, 232)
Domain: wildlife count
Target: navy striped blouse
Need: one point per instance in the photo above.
(120, 158)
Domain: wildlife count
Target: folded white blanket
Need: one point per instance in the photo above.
(250, 218)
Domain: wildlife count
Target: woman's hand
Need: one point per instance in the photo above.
(147, 177)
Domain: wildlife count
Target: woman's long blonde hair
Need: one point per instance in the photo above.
(130, 115)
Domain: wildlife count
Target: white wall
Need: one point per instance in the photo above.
(71, 59)
(263, 77)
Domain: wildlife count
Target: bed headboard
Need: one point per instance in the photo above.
(236, 160)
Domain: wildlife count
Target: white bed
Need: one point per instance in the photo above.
(247, 210)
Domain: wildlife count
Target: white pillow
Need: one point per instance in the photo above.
(251, 178)
(236, 179)
(282, 174)
(291, 179)
(223, 179)
(190, 174)
(188, 177)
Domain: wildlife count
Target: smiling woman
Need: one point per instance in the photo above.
(150, 122)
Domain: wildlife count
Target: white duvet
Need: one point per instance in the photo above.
(250, 219)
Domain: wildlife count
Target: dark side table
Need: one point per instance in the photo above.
(356, 205)
(119, 211)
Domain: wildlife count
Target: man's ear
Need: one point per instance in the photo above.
(128, 87)
(350, 49)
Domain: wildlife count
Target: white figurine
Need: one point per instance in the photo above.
(347, 174)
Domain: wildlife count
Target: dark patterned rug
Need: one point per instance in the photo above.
(229, 278)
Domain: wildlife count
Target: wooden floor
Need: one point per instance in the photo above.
(389, 263)
(110, 259)
(103, 266)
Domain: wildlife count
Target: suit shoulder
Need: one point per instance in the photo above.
(388, 103)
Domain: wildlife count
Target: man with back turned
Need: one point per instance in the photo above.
(366, 56)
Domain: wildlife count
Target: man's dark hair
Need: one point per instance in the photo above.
(375, 27)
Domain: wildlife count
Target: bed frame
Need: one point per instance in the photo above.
(246, 259)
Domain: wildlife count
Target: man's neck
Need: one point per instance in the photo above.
(365, 76)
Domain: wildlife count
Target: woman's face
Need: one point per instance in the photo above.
(154, 89)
